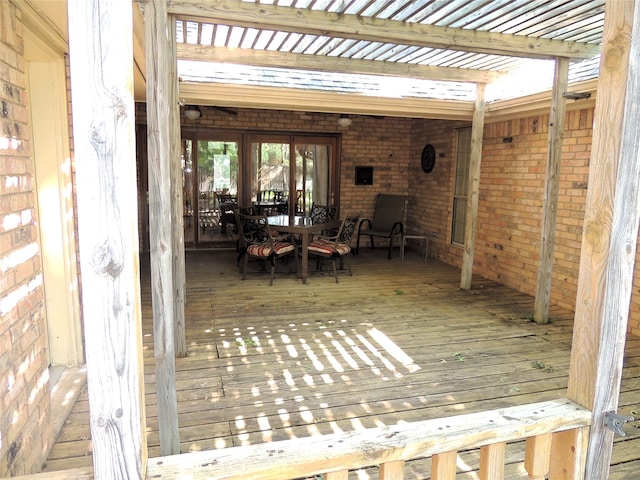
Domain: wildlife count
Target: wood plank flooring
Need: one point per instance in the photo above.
(396, 342)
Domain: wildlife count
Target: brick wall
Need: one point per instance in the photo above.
(24, 386)
(380, 142)
(511, 202)
(511, 186)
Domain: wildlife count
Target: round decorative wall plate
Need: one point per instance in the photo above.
(428, 158)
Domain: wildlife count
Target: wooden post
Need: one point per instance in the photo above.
(159, 133)
(477, 129)
(552, 186)
(537, 456)
(391, 470)
(620, 266)
(443, 466)
(492, 461)
(101, 54)
(568, 454)
(177, 204)
(597, 229)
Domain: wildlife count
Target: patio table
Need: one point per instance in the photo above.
(303, 226)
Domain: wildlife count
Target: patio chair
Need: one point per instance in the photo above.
(255, 240)
(336, 247)
(322, 213)
(387, 220)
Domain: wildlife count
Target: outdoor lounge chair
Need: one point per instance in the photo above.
(387, 220)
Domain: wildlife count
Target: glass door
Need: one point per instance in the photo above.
(312, 176)
(210, 189)
(282, 185)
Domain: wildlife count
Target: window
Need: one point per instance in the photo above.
(461, 186)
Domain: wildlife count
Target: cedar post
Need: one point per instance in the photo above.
(177, 204)
(621, 261)
(101, 53)
(609, 235)
(473, 194)
(159, 133)
(552, 186)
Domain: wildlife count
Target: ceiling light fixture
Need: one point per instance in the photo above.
(344, 120)
(192, 112)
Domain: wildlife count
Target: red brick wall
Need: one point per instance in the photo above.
(24, 386)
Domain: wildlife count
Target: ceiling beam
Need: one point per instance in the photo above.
(316, 22)
(267, 58)
(303, 100)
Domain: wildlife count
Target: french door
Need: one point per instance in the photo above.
(303, 168)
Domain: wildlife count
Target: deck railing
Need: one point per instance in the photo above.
(548, 427)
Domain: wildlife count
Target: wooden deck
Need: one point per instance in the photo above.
(397, 342)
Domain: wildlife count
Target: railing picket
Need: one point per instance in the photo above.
(389, 447)
(392, 470)
(492, 461)
(537, 455)
(568, 454)
(443, 466)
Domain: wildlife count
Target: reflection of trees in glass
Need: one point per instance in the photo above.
(218, 166)
(273, 168)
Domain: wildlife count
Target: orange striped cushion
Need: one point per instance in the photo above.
(265, 249)
(324, 247)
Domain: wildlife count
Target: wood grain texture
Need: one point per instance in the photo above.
(177, 205)
(492, 461)
(552, 187)
(619, 267)
(376, 29)
(568, 454)
(597, 229)
(538, 453)
(473, 191)
(159, 130)
(103, 118)
(267, 58)
(440, 438)
(376, 349)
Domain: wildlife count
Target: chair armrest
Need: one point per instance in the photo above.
(363, 221)
(398, 227)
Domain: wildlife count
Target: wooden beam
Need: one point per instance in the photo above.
(596, 237)
(159, 134)
(177, 204)
(473, 191)
(621, 260)
(267, 58)
(552, 187)
(100, 33)
(304, 100)
(139, 60)
(338, 25)
(306, 457)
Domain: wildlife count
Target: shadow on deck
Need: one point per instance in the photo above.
(395, 343)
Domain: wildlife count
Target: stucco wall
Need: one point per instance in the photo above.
(25, 418)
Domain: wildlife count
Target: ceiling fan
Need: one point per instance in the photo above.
(193, 112)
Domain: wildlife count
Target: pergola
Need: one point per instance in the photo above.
(372, 31)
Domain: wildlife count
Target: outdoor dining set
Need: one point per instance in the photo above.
(268, 234)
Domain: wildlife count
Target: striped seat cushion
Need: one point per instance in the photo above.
(324, 247)
(265, 249)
